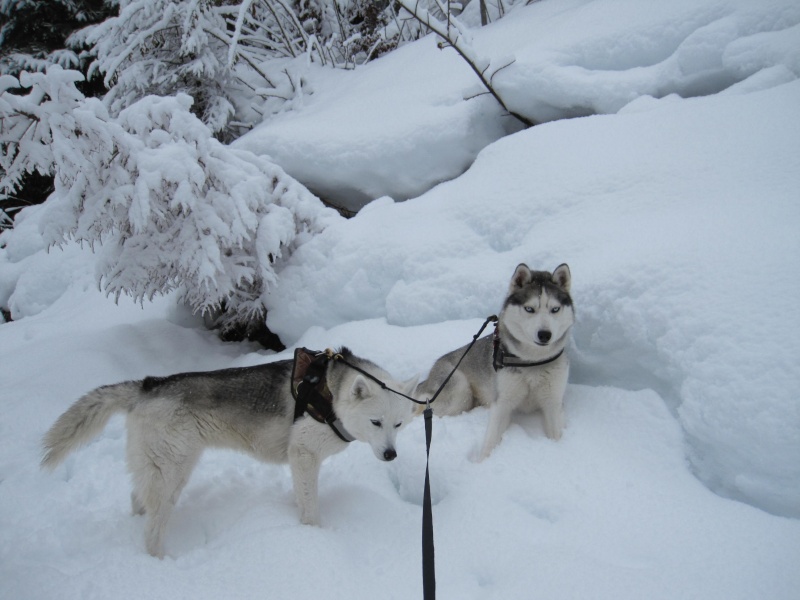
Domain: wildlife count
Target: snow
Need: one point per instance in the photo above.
(552, 61)
(396, 126)
(678, 475)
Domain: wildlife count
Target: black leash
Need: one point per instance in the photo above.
(383, 385)
(428, 559)
(369, 375)
(428, 562)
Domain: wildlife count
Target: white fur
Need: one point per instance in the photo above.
(167, 434)
(511, 389)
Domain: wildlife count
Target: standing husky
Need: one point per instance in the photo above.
(522, 366)
(171, 420)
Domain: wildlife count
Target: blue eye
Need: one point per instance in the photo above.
(376, 422)
(555, 309)
(530, 309)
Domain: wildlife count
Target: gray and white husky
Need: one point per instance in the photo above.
(171, 420)
(522, 366)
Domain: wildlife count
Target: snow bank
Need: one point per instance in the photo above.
(33, 276)
(397, 126)
(595, 57)
(418, 117)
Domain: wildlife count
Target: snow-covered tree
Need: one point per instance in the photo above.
(33, 35)
(168, 205)
(164, 47)
(223, 53)
(338, 33)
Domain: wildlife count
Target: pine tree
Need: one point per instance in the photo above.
(164, 47)
(36, 33)
(33, 35)
(165, 204)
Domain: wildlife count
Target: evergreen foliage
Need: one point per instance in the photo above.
(36, 33)
(33, 35)
(166, 204)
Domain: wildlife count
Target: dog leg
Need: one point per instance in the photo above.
(305, 466)
(165, 488)
(552, 405)
(137, 507)
(553, 414)
(160, 472)
(499, 420)
(157, 517)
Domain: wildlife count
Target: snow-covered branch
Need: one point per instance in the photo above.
(168, 205)
(456, 35)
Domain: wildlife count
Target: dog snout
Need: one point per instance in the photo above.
(544, 336)
(389, 454)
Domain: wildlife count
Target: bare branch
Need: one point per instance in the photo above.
(453, 37)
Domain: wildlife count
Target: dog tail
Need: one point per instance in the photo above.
(85, 419)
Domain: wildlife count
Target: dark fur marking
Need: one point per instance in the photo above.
(539, 280)
(250, 388)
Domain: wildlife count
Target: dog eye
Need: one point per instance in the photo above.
(376, 422)
(398, 425)
(555, 309)
(530, 309)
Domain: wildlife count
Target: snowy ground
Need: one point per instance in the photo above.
(679, 472)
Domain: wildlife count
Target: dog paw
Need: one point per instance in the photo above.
(309, 519)
(479, 454)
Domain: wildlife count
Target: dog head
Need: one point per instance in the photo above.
(538, 309)
(369, 412)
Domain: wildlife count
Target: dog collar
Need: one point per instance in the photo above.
(500, 356)
(311, 392)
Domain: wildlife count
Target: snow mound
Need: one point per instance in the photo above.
(33, 276)
(397, 127)
(418, 116)
(594, 58)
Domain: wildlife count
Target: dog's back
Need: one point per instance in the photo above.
(249, 409)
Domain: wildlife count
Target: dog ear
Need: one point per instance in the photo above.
(522, 276)
(360, 388)
(410, 385)
(562, 277)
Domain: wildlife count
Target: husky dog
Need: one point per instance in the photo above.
(522, 366)
(171, 420)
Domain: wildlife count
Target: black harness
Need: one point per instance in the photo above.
(311, 392)
(500, 356)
